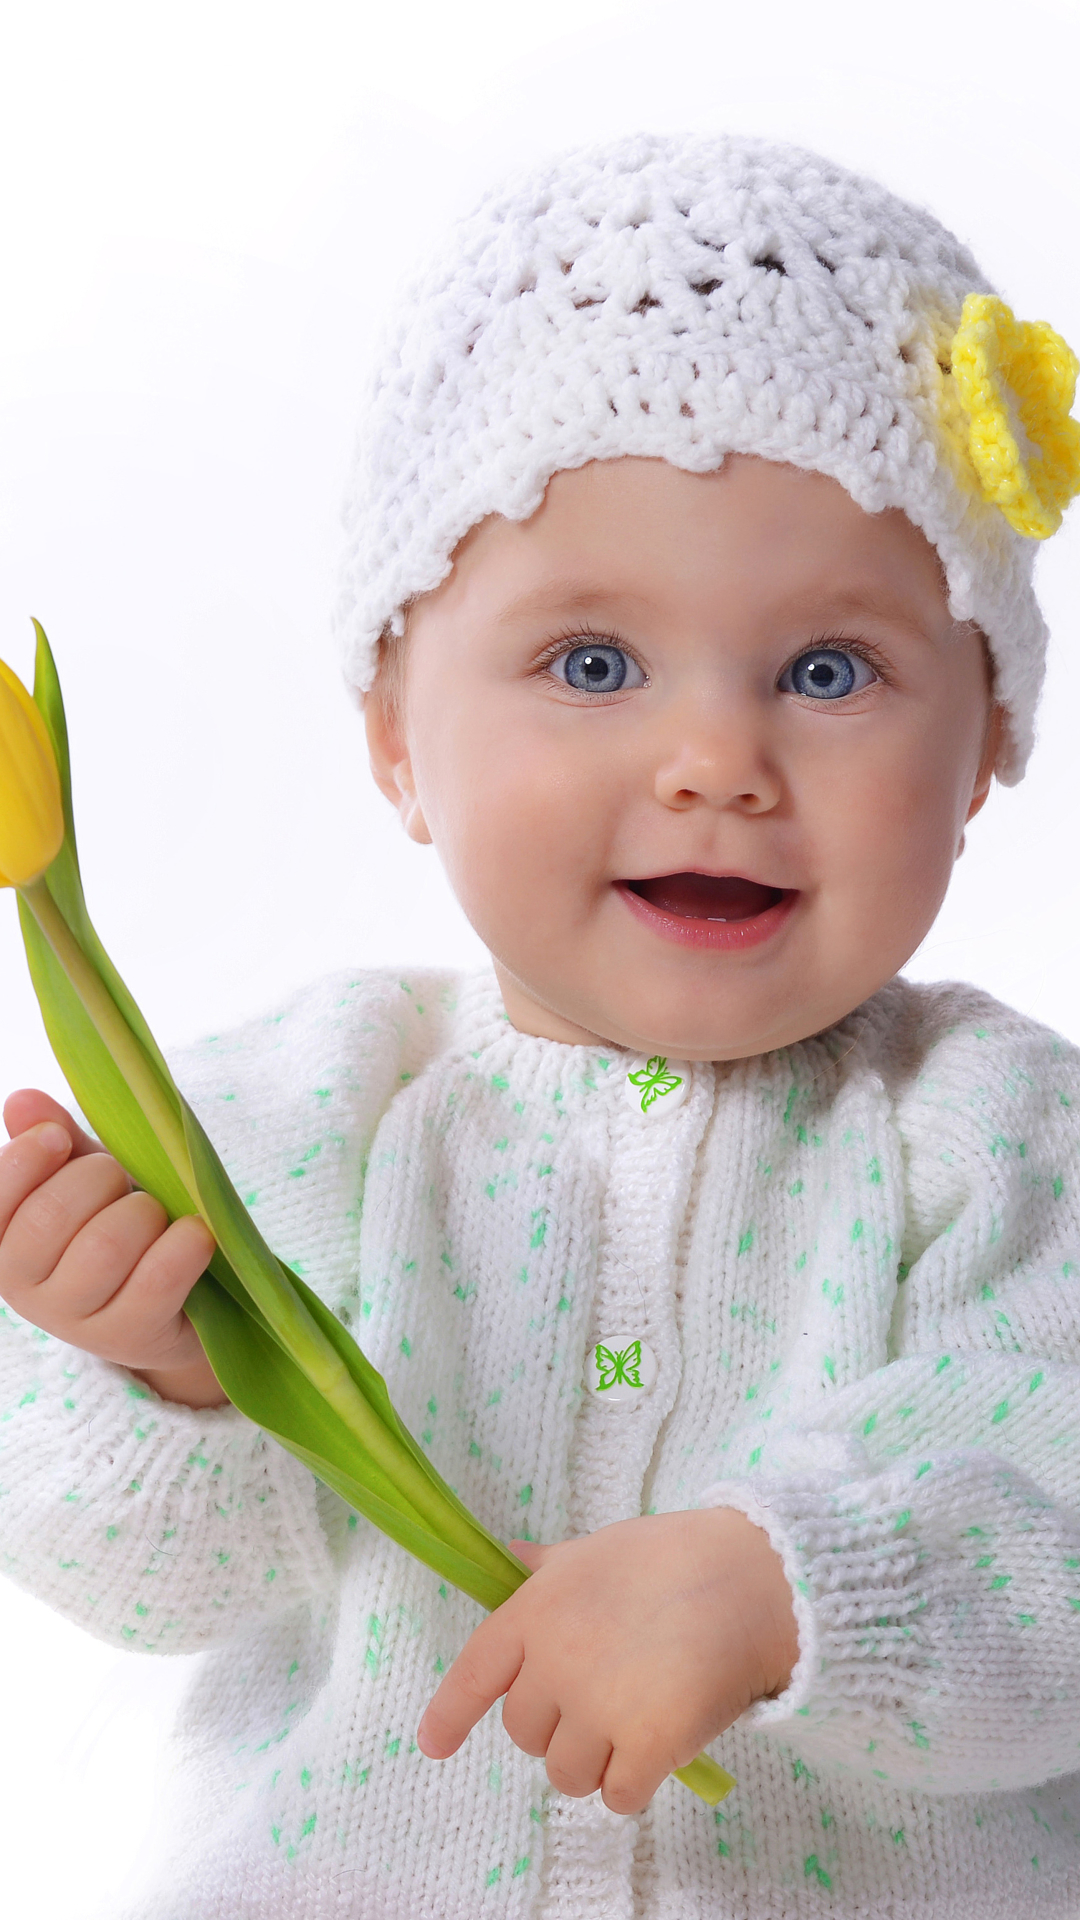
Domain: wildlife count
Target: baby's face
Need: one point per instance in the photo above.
(697, 752)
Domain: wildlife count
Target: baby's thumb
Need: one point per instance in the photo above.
(29, 1107)
(531, 1552)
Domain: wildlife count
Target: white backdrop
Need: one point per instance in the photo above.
(201, 212)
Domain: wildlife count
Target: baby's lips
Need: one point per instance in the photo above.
(706, 896)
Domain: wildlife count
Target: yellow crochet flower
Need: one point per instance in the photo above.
(1016, 380)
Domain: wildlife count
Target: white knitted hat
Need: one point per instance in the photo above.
(682, 298)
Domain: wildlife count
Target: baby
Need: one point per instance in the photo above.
(694, 619)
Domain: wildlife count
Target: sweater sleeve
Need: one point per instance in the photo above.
(156, 1527)
(162, 1528)
(928, 1513)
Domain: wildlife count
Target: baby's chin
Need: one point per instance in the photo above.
(673, 1024)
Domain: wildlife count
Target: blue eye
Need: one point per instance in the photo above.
(826, 673)
(598, 668)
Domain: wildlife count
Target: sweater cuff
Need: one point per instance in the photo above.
(852, 1563)
(152, 1524)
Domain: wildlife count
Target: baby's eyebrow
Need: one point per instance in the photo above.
(568, 597)
(853, 603)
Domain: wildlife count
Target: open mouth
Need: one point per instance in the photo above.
(705, 909)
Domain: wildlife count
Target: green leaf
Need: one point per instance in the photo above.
(266, 1384)
(94, 1078)
(64, 879)
(371, 1431)
(271, 1390)
(497, 1555)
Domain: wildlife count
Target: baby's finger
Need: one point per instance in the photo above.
(50, 1215)
(576, 1759)
(530, 1716)
(144, 1324)
(25, 1163)
(101, 1258)
(29, 1107)
(633, 1775)
(488, 1664)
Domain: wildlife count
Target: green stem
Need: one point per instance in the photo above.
(288, 1316)
(711, 1782)
(100, 1007)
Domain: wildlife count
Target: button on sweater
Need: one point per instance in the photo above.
(854, 1265)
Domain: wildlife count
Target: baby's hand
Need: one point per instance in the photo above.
(85, 1257)
(626, 1652)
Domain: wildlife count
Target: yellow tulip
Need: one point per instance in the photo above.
(31, 809)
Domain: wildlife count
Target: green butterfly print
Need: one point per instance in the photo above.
(618, 1369)
(654, 1080)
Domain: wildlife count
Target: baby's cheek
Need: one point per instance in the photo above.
(888, 866)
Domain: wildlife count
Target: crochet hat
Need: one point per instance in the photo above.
(682, 298)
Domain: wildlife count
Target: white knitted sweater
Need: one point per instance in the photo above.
(855, 1262)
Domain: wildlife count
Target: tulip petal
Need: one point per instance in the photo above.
(31, 814)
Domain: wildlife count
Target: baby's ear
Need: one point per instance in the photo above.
(988, 760)
(391, 765)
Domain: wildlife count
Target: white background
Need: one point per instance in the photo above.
(203, 209)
